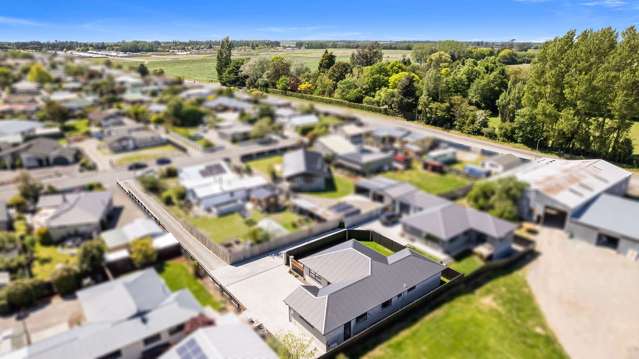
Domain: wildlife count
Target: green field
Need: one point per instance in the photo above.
(202, 67)
(428, 181)
(177, 275)
(498, 320)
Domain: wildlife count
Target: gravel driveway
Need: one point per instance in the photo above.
(589, 296)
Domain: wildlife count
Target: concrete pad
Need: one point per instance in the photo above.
(588, 295)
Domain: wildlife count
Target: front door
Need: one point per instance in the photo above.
(347, 331)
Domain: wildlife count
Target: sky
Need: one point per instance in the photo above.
(490, 20)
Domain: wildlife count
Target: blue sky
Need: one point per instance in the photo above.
(114, 20)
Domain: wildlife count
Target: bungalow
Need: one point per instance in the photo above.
(305, 170)
(81, 214)
(445, 155)
(452, 229)
(201, 92)
(236, 132)
(120, 238)
(266, 198)
(608, 221)
(501, 163)
(39, 152)
(133, 316)
(354, 133)
(109, 118)
(134, 140)
(26, 88)
(362, 160)
(387, 138)
(130, 83)
(348, 287)
(275, 102)
(215, 188)
(225, 103)
(18, 129)
(301, 122)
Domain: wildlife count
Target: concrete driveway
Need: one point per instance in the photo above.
(589, 296)
(91, 150)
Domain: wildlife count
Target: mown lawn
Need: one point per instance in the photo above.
(147, 154)
(177, 275)
(428, 181)
(47, 259)
(467, 264)
(263, 165)
(341, 186)
(498, 320)
(74, 128)
(377, 247)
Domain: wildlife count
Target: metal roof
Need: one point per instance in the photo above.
(613, 214)
(303, 162)
(361, 279)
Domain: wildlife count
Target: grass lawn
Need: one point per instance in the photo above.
(287, 219)
(74, 128)
(467, 265)
(263, 165)
(377, 247)
(177, 275)
(634, 135)
(498, 320)
(47, 258)
(340, 187)
(147, 154)
(428, 181)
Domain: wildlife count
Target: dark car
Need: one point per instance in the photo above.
(137, 166)
(163, 161)
(389, 218)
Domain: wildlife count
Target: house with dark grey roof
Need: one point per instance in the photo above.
(349, 287)
(608, 221)
(366, 161)
(134, 140)
(452, 229)
(39, 152)
(401, 197)
(501, 163)
(133, 316)
(305, 170)
(81, 214)
(387, 137)
(225, 103)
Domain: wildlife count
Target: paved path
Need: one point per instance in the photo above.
(90, 148)
(589, 296)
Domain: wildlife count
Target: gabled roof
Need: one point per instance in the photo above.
(337, 144)
(572, 183)
(76, 208)
(229, 102)
(138, 228)
(450, 220)
(14, 127)
(507, 160)
(303, 161)
(612, 214)
(361, 280)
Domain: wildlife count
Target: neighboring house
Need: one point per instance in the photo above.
(19, 105)
(501, 163)
(348, 287)
(299, 122)
(305, 170)
(608, 221)
(354, 133)
(266, 198)
(229, 337)
(399, 197)
(445, 155)
(236, 132)
(130, 82)
(360, 159)
(133, 316)
(215, 188)
(18, 130)
(81, 214)
(451, 228)
(157, 108)
(5, 217)
(120, 238)
(134, 140)
(39, 152)
(387, 137)
(135, 98)
(201, 92)
(275, 102)
(559, 188)
(26, 88)
(225, 103)
(109, 118)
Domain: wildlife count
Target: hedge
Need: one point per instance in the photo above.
(334, 101)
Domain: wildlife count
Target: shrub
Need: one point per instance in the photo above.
(151, 184)
(18, 203)
(66, 280)
(43, 236)
(169, 172)
(91, 256)
(142, 252)
(23, 293)
(167, 198)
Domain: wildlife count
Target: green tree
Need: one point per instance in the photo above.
(262, 127)
(407, 98)
(66, 280)
(232, 76)
(510, 101)
(278, 67)
(367, 55)
(339, 71)
(6, 77)
(53, 112)
(224, 54)
(326, 61)
(29, 188)
(143, 70)
(38, 74)
(151, 183)
(142, 252)
(500, 198)
(254, 70)
(507, 57)
(349, 90)
(91, 256)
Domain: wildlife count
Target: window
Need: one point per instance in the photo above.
(387, 303)
(152, 339)
(315, 276)
(361, 318)
(399, 295)
(176, 329)
(411, 289)
(112, 355)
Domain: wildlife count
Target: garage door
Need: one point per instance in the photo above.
(554, 217)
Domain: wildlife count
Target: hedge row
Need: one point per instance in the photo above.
(334, 101)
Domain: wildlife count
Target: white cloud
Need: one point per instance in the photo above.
(606, 3)
(6, 20)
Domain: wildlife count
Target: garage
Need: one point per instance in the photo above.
(554, 217)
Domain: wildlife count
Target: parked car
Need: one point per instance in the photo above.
(137, 166)
(163, 161)
(389, 218)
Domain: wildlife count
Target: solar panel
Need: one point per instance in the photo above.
(190, 350)
(212, 170)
